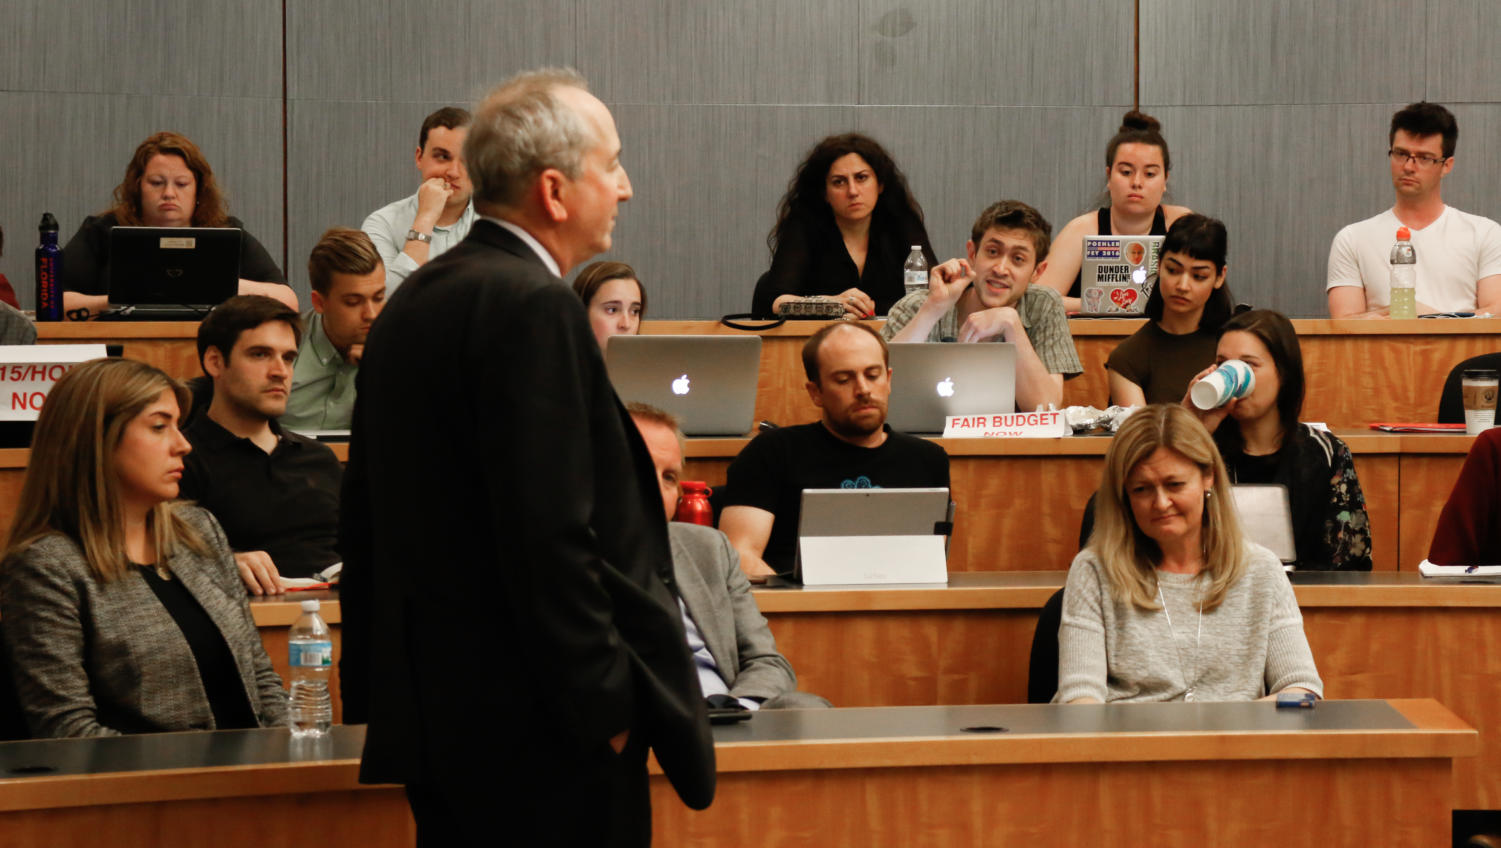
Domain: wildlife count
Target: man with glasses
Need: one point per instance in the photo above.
(1459, 254)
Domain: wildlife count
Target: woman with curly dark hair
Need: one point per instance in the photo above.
(168, 183)
(844, 229)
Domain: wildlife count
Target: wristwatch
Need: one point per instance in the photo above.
(425, 238)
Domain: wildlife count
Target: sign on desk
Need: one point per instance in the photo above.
(1016, 425)
(27, 373)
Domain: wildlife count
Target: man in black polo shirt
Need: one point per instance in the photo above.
(276, 493)
(849, 380)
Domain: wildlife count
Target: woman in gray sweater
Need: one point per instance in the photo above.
(1169, 601)
(122, 609)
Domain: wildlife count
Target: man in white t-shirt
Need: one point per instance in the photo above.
(1459, 254)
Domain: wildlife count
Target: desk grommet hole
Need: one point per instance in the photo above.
(24, 770)
(984, 728)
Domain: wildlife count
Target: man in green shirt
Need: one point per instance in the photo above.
(349, 289)
(989, 296)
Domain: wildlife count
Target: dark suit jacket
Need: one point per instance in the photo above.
(507, 579)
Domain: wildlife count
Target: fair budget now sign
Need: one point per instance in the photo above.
(1016, 425)
(27, 373)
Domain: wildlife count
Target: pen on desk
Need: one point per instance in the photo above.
(1471, 569)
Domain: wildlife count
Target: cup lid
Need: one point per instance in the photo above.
(1480, 374)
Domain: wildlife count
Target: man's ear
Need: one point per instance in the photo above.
(318, 303)
(815, 394)
(418, 159)
(213, 362)
(553, 185)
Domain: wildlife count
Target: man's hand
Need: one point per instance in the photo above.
(259, 573)
(432, 196)
(355, 352)
(1000, 321)
(946, 282)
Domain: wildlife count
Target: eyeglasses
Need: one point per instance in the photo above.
(1423, 160)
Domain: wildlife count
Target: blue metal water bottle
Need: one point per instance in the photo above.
(49, 272)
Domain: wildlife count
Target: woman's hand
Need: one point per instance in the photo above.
(858, 303)
(1210, 418)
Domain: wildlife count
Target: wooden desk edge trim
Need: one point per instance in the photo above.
(284, 613)
(142, 787)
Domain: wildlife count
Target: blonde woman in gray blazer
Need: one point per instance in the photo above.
(122, 610)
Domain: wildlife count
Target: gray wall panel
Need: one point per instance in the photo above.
(1462, 61)
(707, 180)
(682, 51)
(1283, 51)
(73, 150)
(1475, 183)
(958, 160)
(220, 48)
(996, 52)
(1284, 179)
(449, 51)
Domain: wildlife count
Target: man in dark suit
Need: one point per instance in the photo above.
(511, 633)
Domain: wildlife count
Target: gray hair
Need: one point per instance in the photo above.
(521, 129)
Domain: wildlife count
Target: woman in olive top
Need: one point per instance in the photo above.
(1137, 163)
(1186, 309)
(168, 183)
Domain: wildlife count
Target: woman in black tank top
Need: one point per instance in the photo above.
(1137, 162)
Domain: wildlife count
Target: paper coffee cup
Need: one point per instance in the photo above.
(1231, 380)
(1478, 390)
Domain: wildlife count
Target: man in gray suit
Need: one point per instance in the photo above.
(732, 645)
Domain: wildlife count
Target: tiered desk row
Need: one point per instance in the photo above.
(1375, 766)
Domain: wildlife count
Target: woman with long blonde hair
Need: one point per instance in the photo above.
(1169, 601)
(121, 608)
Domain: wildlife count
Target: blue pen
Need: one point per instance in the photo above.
(1471, 569)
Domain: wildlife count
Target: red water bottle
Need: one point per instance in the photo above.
(693, 507)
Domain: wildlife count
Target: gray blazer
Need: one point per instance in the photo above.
(100, 659)
(718, 596)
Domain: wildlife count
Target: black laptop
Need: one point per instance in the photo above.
(171, 273)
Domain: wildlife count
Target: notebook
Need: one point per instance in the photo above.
(708, 382)
(932, 380)
(171, 273)
(1117, 274)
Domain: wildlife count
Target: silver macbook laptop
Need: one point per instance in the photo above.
(1266, 515)
(932, 380)
(708, 382)
(173, 269)
(1117, 274)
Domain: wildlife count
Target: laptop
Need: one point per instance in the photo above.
(708, 382)
(1117, 275)
(868, 536)
(171, 273)
(932, 380)
(1266, 516)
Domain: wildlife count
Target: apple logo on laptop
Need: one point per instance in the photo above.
(946, 387)
(680, 385)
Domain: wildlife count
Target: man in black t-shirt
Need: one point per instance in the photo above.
(275, 493)
(849, 380)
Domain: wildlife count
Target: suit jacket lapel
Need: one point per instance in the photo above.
(699, 601)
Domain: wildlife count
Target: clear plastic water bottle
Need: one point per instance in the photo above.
(1404, 279)
(310, 650)
(915, 271)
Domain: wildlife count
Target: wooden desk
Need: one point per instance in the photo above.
(1375, 635)
(169, 345)
(1358, 372)
(1020, 501)
(835, 777)
(1136, 774)
(254, 788)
